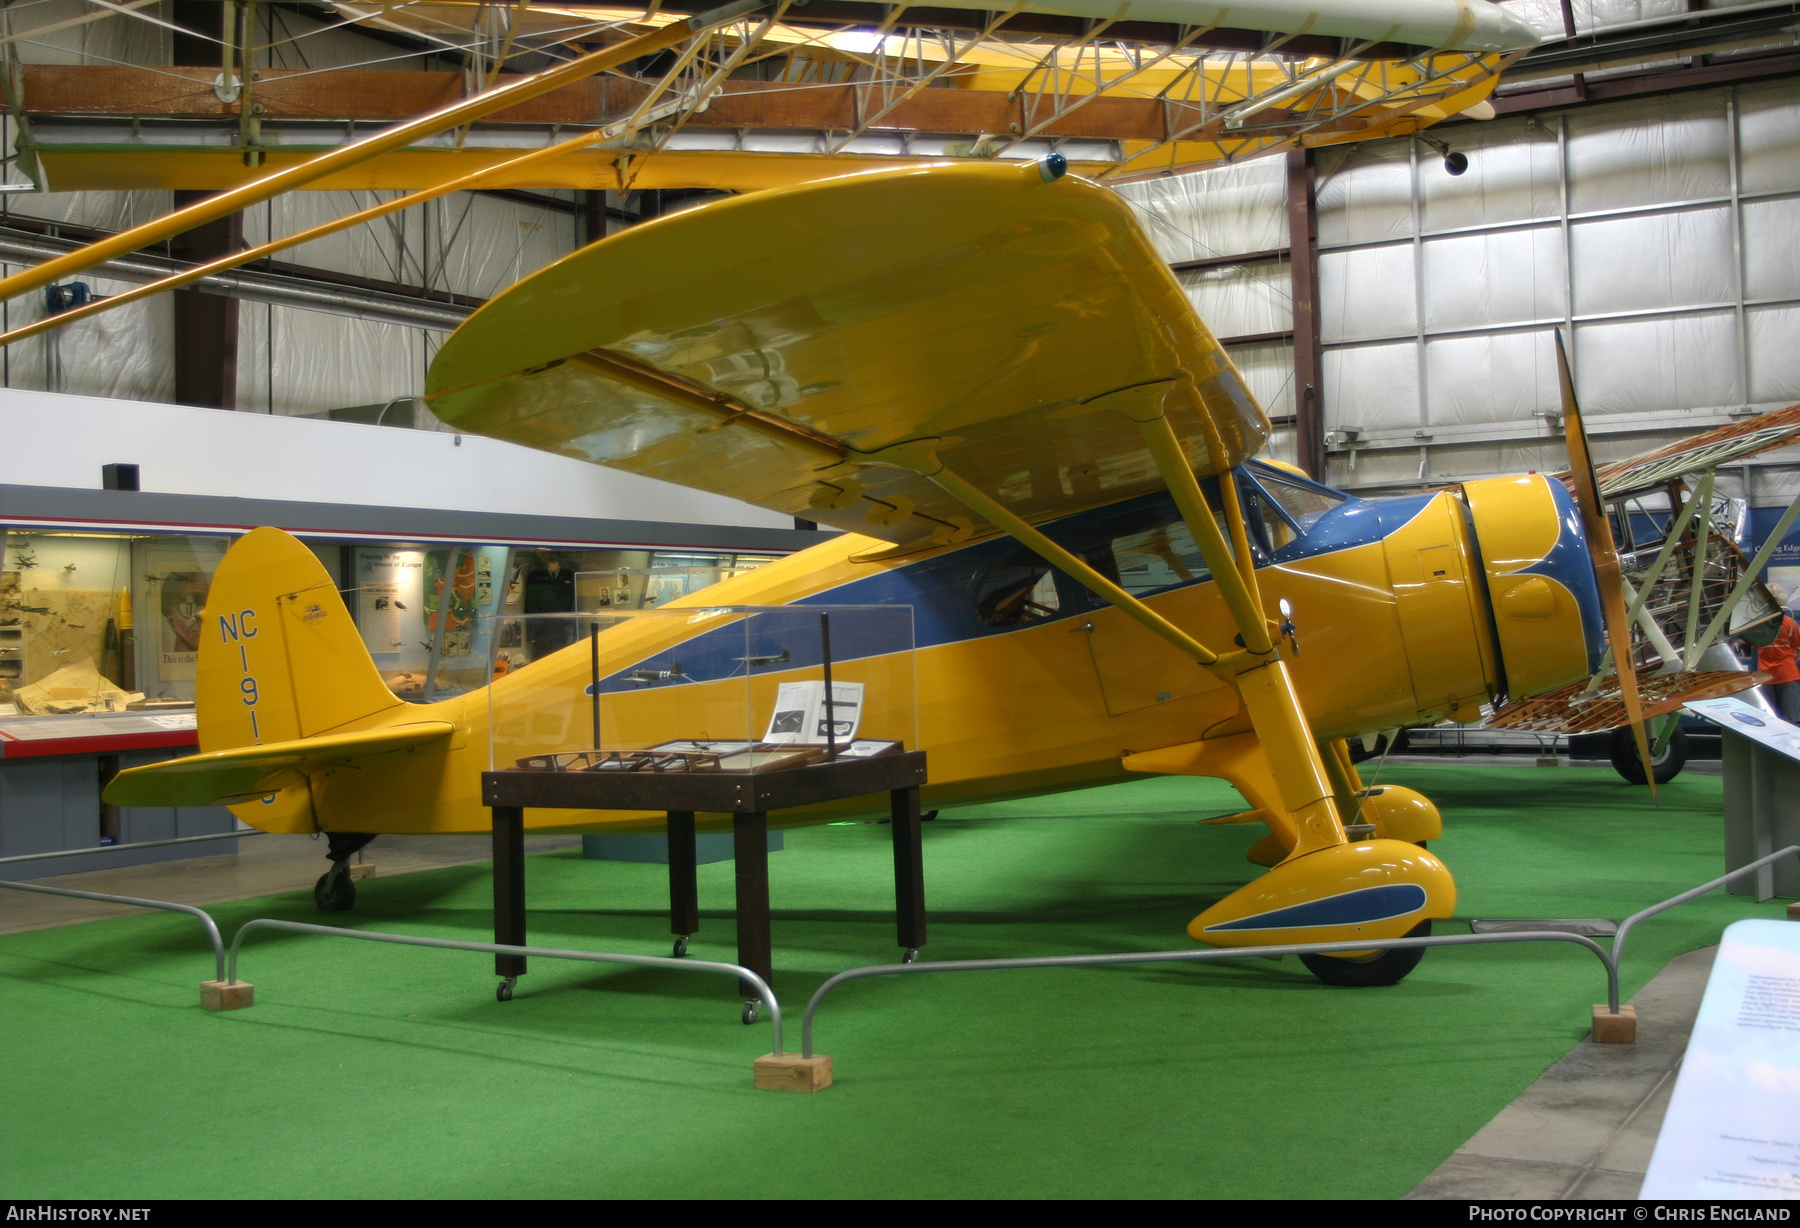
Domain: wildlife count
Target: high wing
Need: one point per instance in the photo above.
(770, 347)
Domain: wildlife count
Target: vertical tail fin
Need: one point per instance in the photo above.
(279, 656)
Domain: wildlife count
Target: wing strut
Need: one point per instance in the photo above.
(1099, 585)
(1259, 674)
(1256, 672)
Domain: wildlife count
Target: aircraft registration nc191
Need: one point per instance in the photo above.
(988, 377)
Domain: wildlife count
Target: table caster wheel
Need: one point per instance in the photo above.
(911, 956)
(681, 945)
(504, 990)
(752, 1010)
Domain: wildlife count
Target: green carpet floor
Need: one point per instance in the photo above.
(376, 1071)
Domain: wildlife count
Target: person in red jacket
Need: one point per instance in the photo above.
(1779, 661)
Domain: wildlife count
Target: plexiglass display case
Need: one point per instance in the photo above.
(713, 689)
(98, 622)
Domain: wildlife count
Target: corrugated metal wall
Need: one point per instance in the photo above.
(1659, 234)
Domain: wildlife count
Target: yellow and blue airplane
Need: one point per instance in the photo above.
(987, 376)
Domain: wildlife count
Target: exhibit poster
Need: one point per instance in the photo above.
(660, 590)
(178, 586)
(400, 597)
(389, 587)
(1747, 720)
(799, 714)
(460, 605)
(1733, 1126)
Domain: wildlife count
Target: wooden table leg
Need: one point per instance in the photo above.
(684, 887)
(509, 891)
(909, 870)
(750, 835)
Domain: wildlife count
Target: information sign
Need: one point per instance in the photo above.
(1733, 1126)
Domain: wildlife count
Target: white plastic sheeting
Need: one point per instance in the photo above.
(115, 39)
(306, 362)
(1435, 336)
(1268, 371)
(462, 243)
(127, 353)
(1657, 151)
(1496, 279)
(1221, 212)
(1238, 300)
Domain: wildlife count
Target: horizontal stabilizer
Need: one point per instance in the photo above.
(247, 772)
(1569, 709)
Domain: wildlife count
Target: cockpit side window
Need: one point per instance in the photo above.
(1143, 548)
(1020, 589)
(1157, 558)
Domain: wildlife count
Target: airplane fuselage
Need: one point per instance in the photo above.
(1025, 682)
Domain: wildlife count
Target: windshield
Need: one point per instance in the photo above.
(1304, 503)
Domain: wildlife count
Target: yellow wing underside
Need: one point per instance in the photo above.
(768, 347)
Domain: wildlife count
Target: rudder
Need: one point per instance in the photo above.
(279, 656)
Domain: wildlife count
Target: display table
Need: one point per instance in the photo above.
(748, 797)
(52, 770)
(104, 733)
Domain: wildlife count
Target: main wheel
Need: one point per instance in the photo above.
(1381, 968)
(1668, 765)
(334, 892)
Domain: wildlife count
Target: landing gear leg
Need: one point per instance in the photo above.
(334, 892)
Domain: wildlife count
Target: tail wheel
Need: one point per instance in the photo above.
(334, 892)
(1625, 761)
(1381, 968)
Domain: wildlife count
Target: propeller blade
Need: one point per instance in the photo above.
(1605, 556)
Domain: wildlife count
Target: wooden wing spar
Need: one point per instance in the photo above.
(820, 350)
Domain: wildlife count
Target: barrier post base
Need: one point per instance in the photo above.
(358, 872)
(227, 995)
(789, 1072)
(1611, 1029)
(1794, 912)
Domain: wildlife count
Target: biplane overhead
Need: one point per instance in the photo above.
(987, 377)
(783, 92)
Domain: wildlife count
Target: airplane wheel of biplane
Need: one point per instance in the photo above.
(1625, 761)
(334, 892)
(1382, 968)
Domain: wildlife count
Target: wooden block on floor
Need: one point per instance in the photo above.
(1794, 912)
(227, 995)
(1611, 1029)
(789, 1072)
(358, 872)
